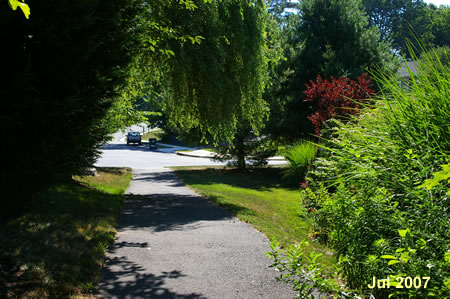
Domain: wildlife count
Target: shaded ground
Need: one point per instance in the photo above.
(56, 247)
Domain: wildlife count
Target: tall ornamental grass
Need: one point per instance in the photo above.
(370, 193)
(299, 157)
(418, 109)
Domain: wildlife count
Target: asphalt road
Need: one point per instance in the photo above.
(118, 154)
(140, 157)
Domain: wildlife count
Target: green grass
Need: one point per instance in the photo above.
(209, 150)
(55, 249)
(109, 180)
(159, 135)
(154, 134)
(258, 197)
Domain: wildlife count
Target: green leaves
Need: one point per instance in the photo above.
(301, 270)
(437, 178)
(188, 4)
(217, 76)
(447, 257)
(24, 7)
(404, 232)
(388, 257)
(421, 243)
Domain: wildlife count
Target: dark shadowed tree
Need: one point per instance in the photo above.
(61, 70)
(246, 148)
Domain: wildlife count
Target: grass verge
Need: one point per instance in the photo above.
(55, 249)
(258, 197)
(160, 136)
(153, 134)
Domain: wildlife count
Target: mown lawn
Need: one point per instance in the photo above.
(258, 197)
(153, 134)
(55, 249)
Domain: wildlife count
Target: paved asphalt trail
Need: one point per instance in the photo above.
(172, 243)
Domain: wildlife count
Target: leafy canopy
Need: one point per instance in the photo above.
(216, 83)
(403, 20)
(14, 4)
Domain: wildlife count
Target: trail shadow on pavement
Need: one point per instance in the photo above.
(170, 212)
(125, 279)
(173, 243)
(163, 177)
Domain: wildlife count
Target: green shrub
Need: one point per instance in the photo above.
(371, 194)
(301, 270)
(299, 157)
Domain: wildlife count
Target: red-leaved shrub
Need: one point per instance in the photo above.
(337, 97)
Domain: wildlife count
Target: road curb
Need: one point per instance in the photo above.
(206, 154)
(196, 155)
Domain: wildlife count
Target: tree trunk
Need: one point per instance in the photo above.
(240, 153)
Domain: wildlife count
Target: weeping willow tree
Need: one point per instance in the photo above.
(214, 82)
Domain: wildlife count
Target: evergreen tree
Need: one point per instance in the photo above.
(332, 38)
(337, 40)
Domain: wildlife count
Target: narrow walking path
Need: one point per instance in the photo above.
(172, 243)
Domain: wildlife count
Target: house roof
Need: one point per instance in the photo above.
(403, 71)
